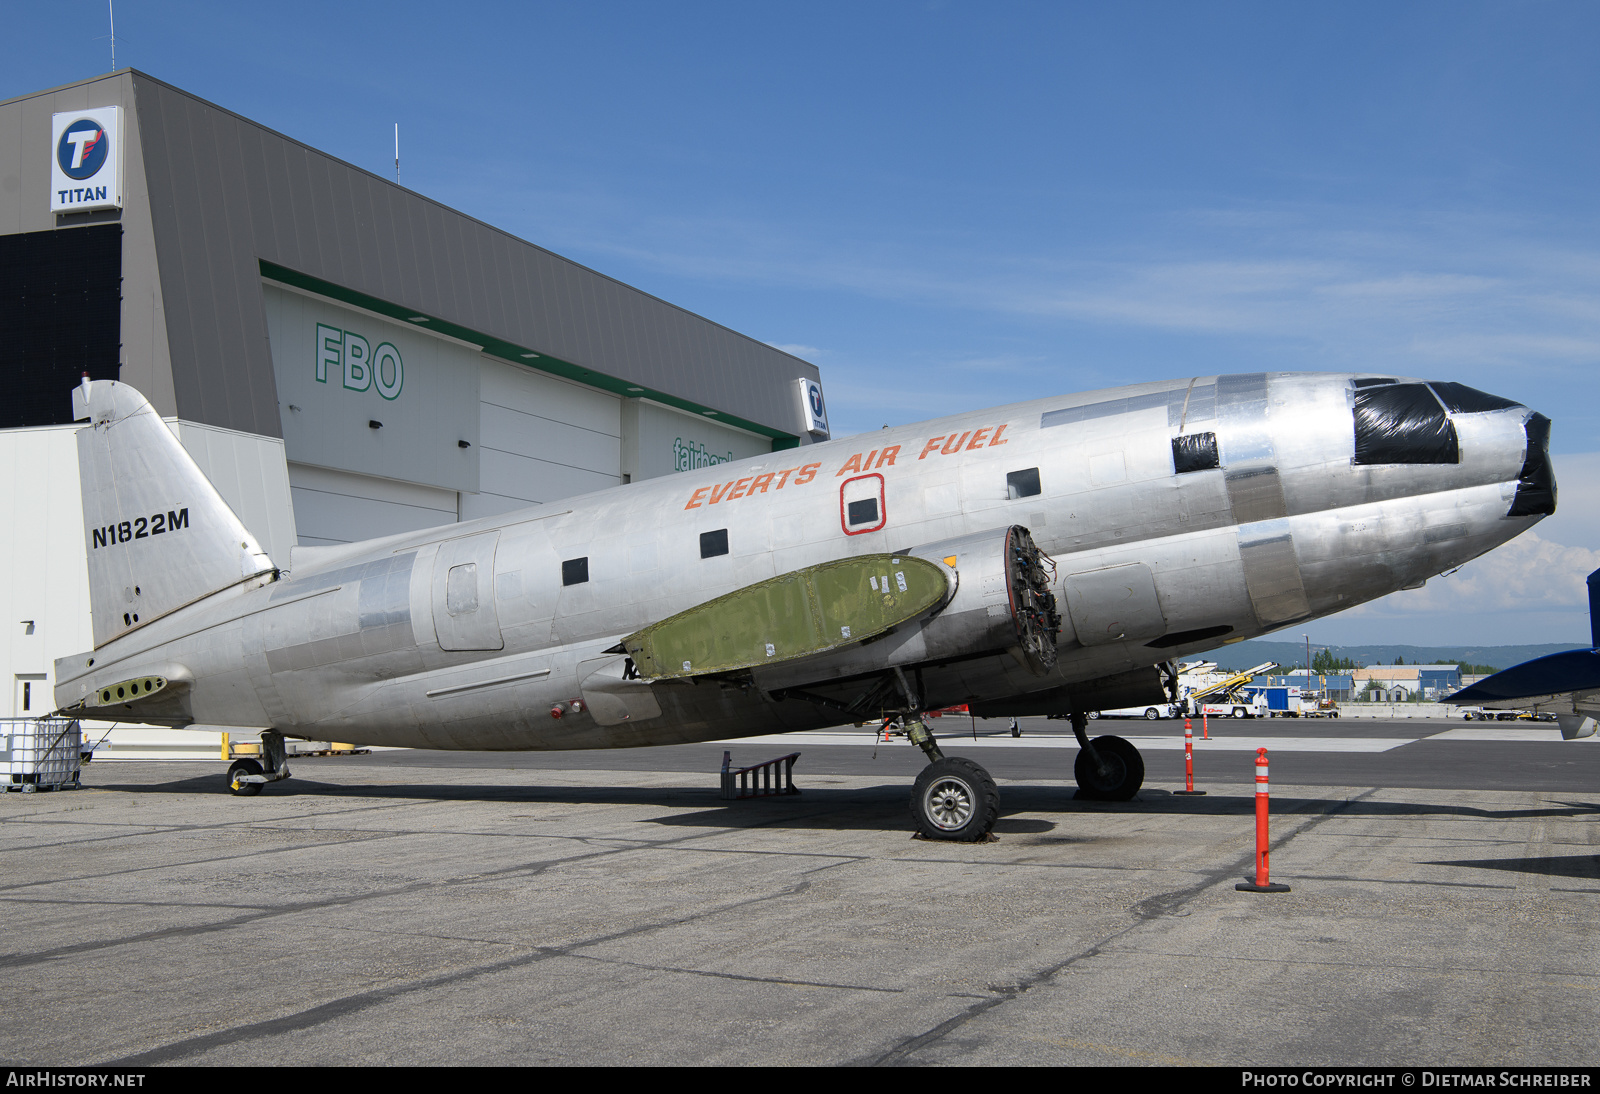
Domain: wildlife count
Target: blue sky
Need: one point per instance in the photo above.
(950, 204)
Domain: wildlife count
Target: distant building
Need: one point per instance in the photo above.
(1401, 683)
(1338, 685)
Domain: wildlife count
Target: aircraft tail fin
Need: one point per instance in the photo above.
(158, 534)
(1594, 610)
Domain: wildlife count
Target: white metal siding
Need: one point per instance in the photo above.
(542, 439)
(343, 507)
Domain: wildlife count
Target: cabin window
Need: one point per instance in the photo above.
(1022, 484)
(713, 544)
(1194, 452)
(575, 571)
(1403, 423)
(461, 589)
(861, 505)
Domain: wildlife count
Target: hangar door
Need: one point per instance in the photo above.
(463, 594)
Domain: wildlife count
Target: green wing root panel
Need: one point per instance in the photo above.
(806, 612)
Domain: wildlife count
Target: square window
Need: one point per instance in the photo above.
(864, 511)
(713, 544)
(575, 571)
(1194, 452)
(461, 589)
(1022, 484)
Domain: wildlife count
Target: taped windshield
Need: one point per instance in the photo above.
(1403, 423)
(1194, 452)
(1461, 399)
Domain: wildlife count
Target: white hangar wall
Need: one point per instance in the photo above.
(531, 438)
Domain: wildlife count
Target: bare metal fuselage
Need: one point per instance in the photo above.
(377, 643)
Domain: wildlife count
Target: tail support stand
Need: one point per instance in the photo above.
(274, 757)
(1262, 884)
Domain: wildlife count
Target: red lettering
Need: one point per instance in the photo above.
(852, 464)
(977, 438)
(738, 489)
(807, 473)
(694, 499)
(720, 492)
(949, 448)
(783, 476)
(887, 459)
(996, 438)
(931, 446)
(761, 483)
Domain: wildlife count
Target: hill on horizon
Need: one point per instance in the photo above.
(1244, 655)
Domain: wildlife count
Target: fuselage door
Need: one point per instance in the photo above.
(463, 594)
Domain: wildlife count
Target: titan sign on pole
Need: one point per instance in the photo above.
(86, 160)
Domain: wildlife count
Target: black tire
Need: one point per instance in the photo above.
(1016, 728)
(1151, 714)
(954, 799)
(1239, 712)
(244, 767)
(1092, 715)
(1123, 777)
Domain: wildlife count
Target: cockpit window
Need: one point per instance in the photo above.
(1374, 381)
(1461, 399)
(1403, 423)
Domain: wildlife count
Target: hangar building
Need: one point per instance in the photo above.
(345, 358)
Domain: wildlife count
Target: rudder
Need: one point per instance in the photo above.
(158, 534)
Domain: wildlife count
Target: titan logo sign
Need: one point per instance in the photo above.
(351, 358)
(86, 161)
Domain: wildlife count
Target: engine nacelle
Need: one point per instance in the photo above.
(1002, 602)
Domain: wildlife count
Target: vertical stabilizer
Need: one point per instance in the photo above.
(1594, 612)
(158, 534)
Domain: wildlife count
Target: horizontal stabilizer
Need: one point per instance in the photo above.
(1567, 672)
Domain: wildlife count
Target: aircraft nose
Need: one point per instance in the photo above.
(1536, 483)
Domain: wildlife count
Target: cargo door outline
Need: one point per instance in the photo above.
(464, 614)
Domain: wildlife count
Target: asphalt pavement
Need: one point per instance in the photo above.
(610, 908)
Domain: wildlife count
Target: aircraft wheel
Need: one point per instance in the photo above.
(954, 799)
(1123, 775)
(244, 767)
(1016, 728)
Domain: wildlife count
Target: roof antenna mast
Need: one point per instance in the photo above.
(112, 12)
(396, 148)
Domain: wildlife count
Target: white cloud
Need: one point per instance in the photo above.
(1529, 574)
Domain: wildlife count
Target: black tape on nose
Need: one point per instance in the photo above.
(1536, 483)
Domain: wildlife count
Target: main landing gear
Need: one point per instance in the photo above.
(1108, 768)
(247, 777)
(954, 798)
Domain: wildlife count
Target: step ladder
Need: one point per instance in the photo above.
(759, 781)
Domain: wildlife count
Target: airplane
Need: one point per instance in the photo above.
(1566, 684)
(1048, 557)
